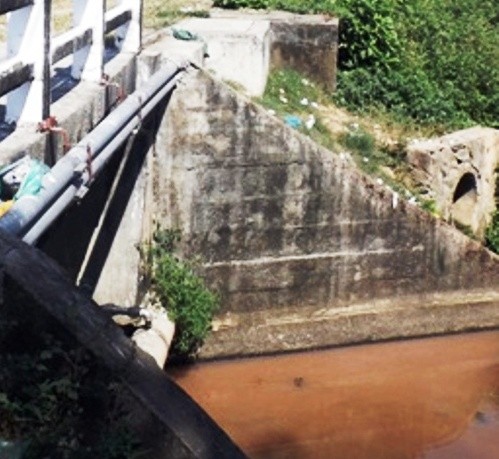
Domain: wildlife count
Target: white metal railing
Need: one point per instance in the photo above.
(32, 51)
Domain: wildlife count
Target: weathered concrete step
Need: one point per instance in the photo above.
(275, 331)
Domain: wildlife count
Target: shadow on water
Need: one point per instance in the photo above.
(434, 398)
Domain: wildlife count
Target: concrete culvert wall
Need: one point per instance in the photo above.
(464, 200)
(440, 164)
(304, 249)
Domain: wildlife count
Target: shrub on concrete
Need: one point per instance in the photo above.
(190, 304)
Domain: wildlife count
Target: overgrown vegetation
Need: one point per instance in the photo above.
(492, 233)
(55, 400)
(434, 61)
(289, 94)
(176, 285)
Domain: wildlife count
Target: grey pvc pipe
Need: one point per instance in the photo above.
(66, 198)
(31, 215)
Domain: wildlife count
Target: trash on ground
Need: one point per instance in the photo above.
(21, 178)
(5, 207)
(183, 34)
(310, 122)
(293, 121)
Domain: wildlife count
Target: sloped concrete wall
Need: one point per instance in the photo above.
(283, 223)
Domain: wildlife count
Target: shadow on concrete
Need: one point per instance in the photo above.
(44, 308)
(83, 218)
(5, 128)
(62, 82)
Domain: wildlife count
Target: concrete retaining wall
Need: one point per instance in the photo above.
(305, 250)
(285, 225)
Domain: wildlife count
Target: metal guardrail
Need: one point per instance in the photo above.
(32, 51)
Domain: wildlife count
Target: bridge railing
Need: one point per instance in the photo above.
(32, 51)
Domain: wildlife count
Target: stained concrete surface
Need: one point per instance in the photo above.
(288, 228)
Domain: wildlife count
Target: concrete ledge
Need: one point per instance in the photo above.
(244, 334)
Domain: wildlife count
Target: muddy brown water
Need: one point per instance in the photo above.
(435, 398)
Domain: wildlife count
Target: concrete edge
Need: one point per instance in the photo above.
(249, 334)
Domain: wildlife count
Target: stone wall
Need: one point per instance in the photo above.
(282, 223)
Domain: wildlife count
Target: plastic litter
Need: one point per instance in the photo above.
(293, 121)
(183, 34)
(5, 207)
(22, 178)
(32, 182)
(186, 35)
(310, 121)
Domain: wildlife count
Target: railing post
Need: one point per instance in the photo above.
(130, 35)
(88, 62)
(28, 38)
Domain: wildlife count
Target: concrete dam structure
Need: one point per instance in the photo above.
(305, 250)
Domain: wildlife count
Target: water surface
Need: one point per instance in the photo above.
(433, 398)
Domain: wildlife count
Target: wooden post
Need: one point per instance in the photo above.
(88, 62)
(28, 39)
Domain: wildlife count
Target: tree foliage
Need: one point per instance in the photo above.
(435, 61)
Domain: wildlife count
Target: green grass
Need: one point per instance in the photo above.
(492, 233)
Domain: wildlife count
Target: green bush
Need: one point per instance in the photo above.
(182, 292)
(55, 400)
(492, 233)
(434, 61)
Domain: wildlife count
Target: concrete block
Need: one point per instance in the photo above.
(305, 43)
(238, 49)
(309, 47)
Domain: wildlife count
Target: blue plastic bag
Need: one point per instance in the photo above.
(32, 182)
(293, 121)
